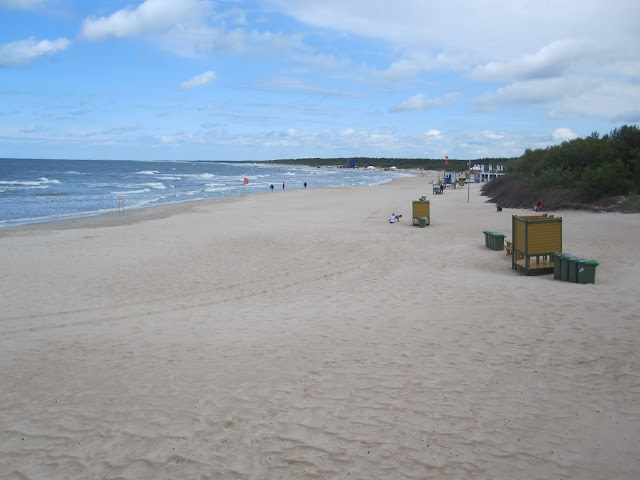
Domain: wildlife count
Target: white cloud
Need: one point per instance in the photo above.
(550, 61)
(23, 51)
(195, 40)
(420, 103)
(433, 133)
(563, 134)
(534, 92)
(149, 17)
(180, 139)
(575, 45)
(201, 80)
(492, 135)
(613, 100)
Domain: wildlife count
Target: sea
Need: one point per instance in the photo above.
(36, 190)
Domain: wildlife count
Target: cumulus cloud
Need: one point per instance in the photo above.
(433, 133)
(563, 134)
(201, 80)
(24, 51)
(150, 16)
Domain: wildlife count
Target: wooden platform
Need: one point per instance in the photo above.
(537, 264)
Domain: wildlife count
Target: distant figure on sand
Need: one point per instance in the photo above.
(305, 184)
(498, 208)
(283, 185)
(394, 218)
(538, 207)
(271, 187)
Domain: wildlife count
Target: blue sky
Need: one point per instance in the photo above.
(260, 80)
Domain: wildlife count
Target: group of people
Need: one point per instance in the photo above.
(272, 187)
(394, 218)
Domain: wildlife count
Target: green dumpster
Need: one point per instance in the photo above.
(498, 241)
(587, 271)
(557, 264)
(487, 238)
(423, 221)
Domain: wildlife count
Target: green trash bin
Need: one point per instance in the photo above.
(498, 241)
(587, 271)
(487, 238)
(492, 240)
(557, 264)
(573, 268)
(564, 267)
(423, 221)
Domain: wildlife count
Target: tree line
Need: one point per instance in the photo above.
(597, 166)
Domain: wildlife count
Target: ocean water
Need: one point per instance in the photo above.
(33, 190)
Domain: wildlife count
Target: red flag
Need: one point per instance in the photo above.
(246, 181)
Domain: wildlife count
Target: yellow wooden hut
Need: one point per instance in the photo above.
(421, 210)
(535, 237)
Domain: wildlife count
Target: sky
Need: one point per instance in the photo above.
(280, 79)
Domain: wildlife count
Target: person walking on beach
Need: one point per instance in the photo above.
(271, 187)
(305, 184)
(283, 185)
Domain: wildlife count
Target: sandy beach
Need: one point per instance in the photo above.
(298, 334)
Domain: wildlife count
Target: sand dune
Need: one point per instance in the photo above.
(298, 334)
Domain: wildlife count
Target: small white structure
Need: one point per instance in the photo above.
(481, 175)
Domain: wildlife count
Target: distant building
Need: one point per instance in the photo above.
(482, 174)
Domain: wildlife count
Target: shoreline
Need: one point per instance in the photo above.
(302, 334)
(140, 213)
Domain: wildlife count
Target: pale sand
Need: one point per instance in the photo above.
(298, 334)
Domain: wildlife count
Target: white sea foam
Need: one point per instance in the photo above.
(148, 172)
(157, 185)
(46, 180)
(132, 192)
(29, 183)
